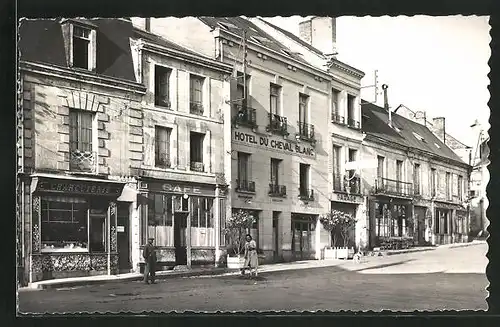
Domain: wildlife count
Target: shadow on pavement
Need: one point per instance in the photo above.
(385, 265)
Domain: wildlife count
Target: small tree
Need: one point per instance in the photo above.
(337, 220)
(236, 229)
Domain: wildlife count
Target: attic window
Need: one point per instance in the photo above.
(259, 39)
(418, 137)
(288, 53)
(80, 40)
(226, 25)
(437, 145)
(256, 40)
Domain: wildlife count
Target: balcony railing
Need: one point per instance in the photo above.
(197, 166)
(306, 131)
(352, 186)
(245, 116)
(338, 119)
(277, 190)
(196, 108)
(393, 187)
(278, 124)
(83, 161)
(306, 194)
(162, 161)
(245, 186)
(353, 123)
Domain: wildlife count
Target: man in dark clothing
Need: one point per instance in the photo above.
(149, 255)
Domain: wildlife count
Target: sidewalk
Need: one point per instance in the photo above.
(212, 271)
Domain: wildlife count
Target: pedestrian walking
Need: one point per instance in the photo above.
(149, 254)
(251, 257)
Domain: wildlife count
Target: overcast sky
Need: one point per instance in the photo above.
(436, 64)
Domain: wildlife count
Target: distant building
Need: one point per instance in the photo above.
(419, 188)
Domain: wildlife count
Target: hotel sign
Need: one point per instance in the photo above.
(343, 197)
(272, 143)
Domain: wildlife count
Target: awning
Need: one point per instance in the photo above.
(450, 206)
(128, 194)
(75, 185)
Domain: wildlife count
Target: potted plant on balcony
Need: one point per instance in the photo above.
(236, 228)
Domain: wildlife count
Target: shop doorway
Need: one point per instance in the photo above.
(276, 246)
(303, 229)
(123, 237)
(180, 225)
(419, 213)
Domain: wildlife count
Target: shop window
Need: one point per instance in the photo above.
(196, 151)
(159, 219)
(162, 86)
(64, 224)
(382, 219)
(97, 229)
(202, 221)
(196, 94)
(82, 155)
(162, 147)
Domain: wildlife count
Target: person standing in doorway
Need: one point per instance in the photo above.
(251, 256)
(149, 254)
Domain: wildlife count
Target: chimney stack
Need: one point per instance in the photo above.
(439, 128)
(147, 24)
(321, 33)
(386, 103)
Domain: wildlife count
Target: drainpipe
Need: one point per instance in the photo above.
(386, 103)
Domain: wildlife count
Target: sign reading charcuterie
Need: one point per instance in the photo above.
(73, 187)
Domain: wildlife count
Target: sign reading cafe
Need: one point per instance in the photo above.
(265, 141)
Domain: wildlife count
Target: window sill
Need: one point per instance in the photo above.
(245, 191)
(64, 250)
(274, 195)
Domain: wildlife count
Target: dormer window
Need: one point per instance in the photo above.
(80, 44)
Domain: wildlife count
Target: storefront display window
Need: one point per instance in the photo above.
(392, 221)
(64, 224)
(202, 221)
(441, 223)
(159, 219)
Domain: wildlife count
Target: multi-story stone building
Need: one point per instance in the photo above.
(418, 190)
(317, 44)
(280, 160)
(181, 130)
(77, 95)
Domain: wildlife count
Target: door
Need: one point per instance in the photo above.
(276, 235)
(420, 220)
(180, 225)
(123, 237)
(302, 239)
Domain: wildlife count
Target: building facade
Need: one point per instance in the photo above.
(281, 129)
(418, 190)
(181, 176)
(75, 147)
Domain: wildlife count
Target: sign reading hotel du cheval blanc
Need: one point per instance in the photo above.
(273, 143)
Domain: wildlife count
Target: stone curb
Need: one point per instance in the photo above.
(159, 276)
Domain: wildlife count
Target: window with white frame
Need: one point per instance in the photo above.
(82, 49)
(82, 154)
(162, 147)
(162, 86)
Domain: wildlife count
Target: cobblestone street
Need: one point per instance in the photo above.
(446, 278)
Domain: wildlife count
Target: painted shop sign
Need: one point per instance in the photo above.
(272, 143)
(180, 188)
(79, 187)
(347, 197)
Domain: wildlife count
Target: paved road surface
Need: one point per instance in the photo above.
(435, 280)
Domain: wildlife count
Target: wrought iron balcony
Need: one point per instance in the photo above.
(83, 161)
(197, 166)
(245, 186)
(162, 161)
(353, 123)
(393, 187)
(196, 108)
(352, 186)
(277, 190)
(245, 116)
(338, 119)
(278, 124)
(306, 131)
(306, 194)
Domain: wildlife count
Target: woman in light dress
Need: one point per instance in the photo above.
(251, 257)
